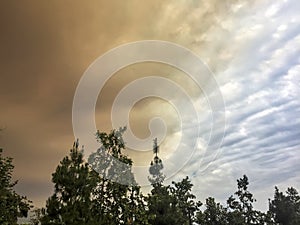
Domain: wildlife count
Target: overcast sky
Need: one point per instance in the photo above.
(251, 47)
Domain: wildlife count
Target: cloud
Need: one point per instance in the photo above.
(256, 63)
(251, 47)
(260, 88)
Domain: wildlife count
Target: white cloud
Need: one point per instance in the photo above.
(259, 79)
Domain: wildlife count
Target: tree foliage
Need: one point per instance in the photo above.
(72, 201)
(104, 191)
(173, 204)
(84, 195)
(241, 209)
(12, 205)
(214, 214)
(118, 199)
(286, 207)
(185, 201)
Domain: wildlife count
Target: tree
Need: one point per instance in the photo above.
(118, 199)
(214, 214)
(160, 203)
(161, 206)
(36, 216)
(72, 201)
(12, 205)
(96, 192)
(169, 204)
(241, 211)
(185, 201)
(174, 204)
(286, 207)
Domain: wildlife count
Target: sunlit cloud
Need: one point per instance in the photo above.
(252, 48)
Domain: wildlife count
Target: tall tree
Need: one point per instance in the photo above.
(36, 216)
(72, 201)
(118, 197)
(12, 205)
(286, 207)
(162, 207)
(214, 214)
(160, 202)
(241, 210)
(169, 204)
(96, 192)
(185, 202)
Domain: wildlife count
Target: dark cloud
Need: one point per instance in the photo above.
(45, 47)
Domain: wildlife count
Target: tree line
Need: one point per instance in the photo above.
(104, 192)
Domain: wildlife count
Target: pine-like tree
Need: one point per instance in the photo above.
(161, 204)
(286, 207)
(72, 201)
(88, 193)
(12, 205)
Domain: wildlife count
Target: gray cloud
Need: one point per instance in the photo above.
(261, 89)
(253, 49)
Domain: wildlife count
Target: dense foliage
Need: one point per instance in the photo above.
(90, 196)
(104, 191)
(286, 207)
(83, 196)
(12, 205)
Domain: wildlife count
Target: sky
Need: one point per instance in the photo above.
(252, 50)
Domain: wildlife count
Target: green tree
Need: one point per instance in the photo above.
(12, 205)
(214, 214)
(240, 210)
(161, 204)
(36, 216)
(286, 207)
(100, 192)
(72, 201)
(118, 197)
(174, 204)
(169, 204)
(185, 201)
